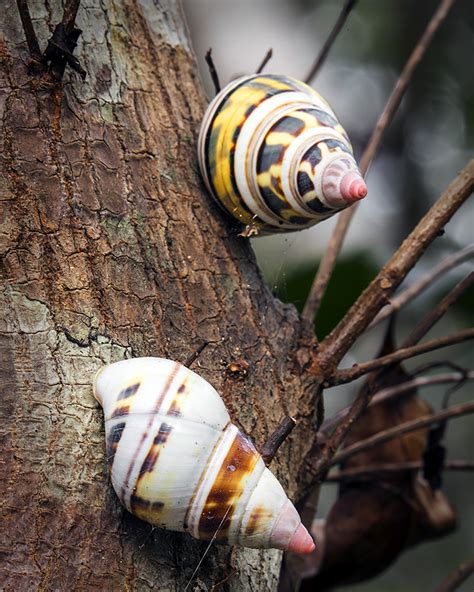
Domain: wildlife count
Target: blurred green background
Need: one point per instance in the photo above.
(430, 140)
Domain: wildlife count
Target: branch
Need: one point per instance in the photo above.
(356, 320)
(459, 575)
(193, 357)
(266, 59)
(328, 261)
(326, 267)
(434, 315)
(69, 14)
(212, 70)
(436, 365)
(407, 295)
(393, 392)
(276, 439)
(402, 83)
(343, 420)
(370, 471)
(399, 430)
(348, 375)
(29, 30)
(341, 19)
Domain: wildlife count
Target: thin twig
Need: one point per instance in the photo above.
(69, 14)
(29, 30)
(402, 83)
(436, 365)
(400, 430)
(427, 280)
(341, 19)
(328, 261)
(326, 267)
(220, 583)
(61, 45)
(393, 392)
(457, 577)
(264, 62)
(450, 392)
(193, 357)
(212, 70)
(276, 439)
(339, 341)
(371, 471)
(438, 311)
(420, 382)
(348, 375)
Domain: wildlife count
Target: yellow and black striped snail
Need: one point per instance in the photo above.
(273, 154)
(177, 461)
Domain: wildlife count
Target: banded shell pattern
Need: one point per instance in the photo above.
(273, 154)
(178, 462)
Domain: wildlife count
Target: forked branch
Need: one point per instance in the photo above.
(336, 345)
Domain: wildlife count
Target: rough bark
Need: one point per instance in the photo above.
(111, 248)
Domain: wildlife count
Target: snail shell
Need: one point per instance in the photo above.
(273, 154)
(178, 462)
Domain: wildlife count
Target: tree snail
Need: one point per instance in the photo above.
(273, 154)
(178, 462)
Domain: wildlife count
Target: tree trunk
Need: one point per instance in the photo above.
(111, 248)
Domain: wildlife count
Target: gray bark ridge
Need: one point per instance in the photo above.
(111, 248)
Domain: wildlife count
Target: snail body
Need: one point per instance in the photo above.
(178, 462)
(273, 154)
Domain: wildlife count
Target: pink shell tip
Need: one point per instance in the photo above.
(353, 187)
(301, 541)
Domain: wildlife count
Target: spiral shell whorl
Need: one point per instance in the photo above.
(264, 146)
(178, 462)
(341, 183)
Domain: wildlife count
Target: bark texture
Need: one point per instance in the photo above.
(111, 248)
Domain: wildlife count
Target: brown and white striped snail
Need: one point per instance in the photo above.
(273, 154)
(178, 462)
